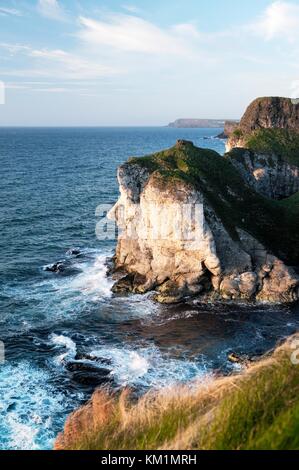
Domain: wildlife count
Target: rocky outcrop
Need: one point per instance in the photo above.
(229, 128)
(269, 175)
(193, 225)
(266, 113)
(271, 113)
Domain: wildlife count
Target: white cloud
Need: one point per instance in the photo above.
(68, 65)
(187, 29)
(10, 11)
(139, 50)
(48, 87)
(295, 89)
(51, 9)
(58, 64)
(56, 90)
(14, 48)
(280, 20)
(134, 34)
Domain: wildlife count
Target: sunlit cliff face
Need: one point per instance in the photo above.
(164, 233)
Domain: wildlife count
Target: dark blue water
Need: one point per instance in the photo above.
(65, 333)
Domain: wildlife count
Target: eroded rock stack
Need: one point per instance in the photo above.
(241, 240)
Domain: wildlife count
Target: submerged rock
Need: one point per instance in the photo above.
(56, 268)
(91, 378)
(242, 359)
(64, 268)
(89, 374)
(76, 366)
(90, 357)
(234, 358)
(74, 252)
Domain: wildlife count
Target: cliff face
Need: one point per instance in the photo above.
(269, 175)
(152, 245)
(266, 113)
(192, 224)
(271, 112)
(229, 128)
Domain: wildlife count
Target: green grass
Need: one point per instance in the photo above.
(235, 203)
(261, 414)
(238, 133)
(258, 409)
(280, 142)
(291, 204)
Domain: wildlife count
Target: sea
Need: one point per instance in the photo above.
(64, 333)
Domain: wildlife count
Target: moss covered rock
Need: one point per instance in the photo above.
(242, 231)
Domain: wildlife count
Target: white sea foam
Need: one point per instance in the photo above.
(28, 404)
(66, 343)
(93, 280)
(22, 436)
(147, 367)
(70, 296)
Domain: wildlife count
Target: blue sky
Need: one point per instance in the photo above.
(111, 62)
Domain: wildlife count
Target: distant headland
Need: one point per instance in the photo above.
(199, 123)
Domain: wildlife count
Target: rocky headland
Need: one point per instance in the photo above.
(270, 124)
(242, 241)
(229, 128)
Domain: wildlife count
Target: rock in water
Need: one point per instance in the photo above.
(74, 252)
(195, 223)
(89, 374)
(55, 268)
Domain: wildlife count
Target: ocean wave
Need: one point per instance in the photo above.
(65, 342)
(148, 367)
(93, 280)
(28, 407)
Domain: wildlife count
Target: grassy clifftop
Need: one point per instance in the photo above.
(258, 409)
(236, 204)
(270, 125)
(281, 142)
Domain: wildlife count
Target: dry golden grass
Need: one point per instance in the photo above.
(236, 412)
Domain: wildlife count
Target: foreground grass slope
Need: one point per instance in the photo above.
(258, 409)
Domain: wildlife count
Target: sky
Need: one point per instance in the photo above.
(143, 62)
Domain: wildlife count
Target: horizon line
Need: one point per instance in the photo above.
(98, 127)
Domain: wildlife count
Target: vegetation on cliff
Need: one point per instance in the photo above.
(258, 409)
(281, 142)
(292, 206)
(270, 125)
(235, 203)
